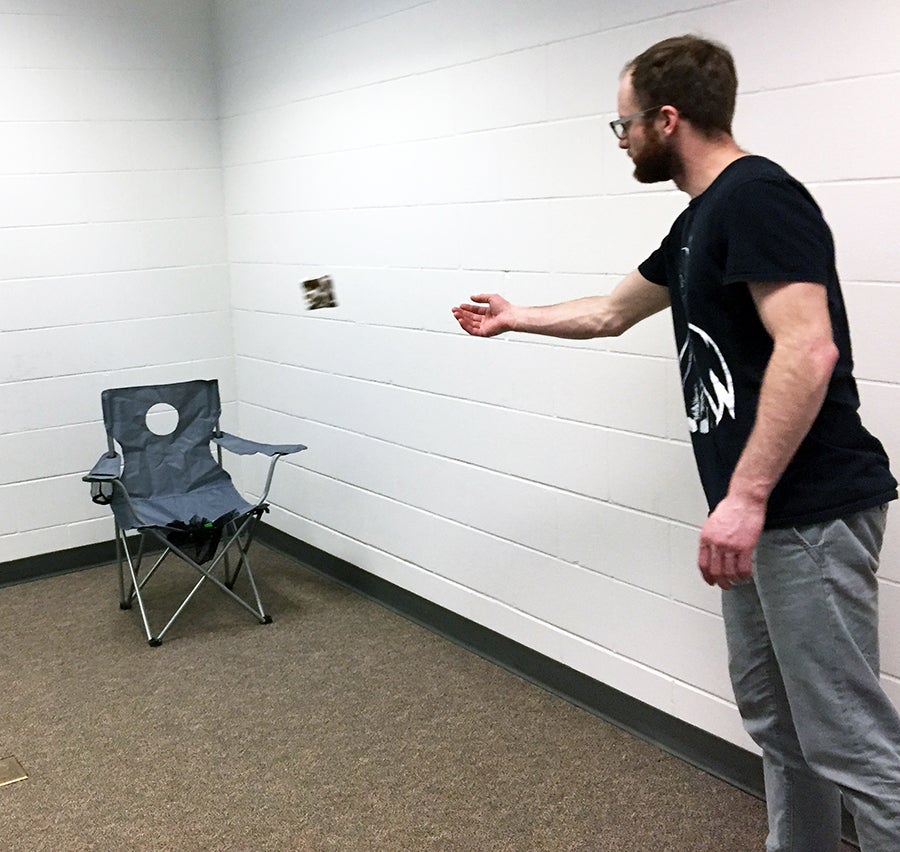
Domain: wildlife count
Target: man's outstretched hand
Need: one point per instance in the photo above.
(490, 316)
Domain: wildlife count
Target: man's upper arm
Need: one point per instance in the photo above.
(793, 310)
(635, 298)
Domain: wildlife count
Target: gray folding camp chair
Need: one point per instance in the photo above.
(170, 487)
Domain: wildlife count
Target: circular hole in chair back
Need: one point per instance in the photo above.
(162, 419)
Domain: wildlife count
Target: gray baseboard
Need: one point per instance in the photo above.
(62, 562)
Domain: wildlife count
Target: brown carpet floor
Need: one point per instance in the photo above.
(341, 726)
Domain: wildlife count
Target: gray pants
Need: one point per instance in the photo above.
(803, 656)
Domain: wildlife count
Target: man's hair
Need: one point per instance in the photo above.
(692, 74)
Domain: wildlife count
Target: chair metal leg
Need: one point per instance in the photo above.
(249, 524)
(207, 574)
(136, 588)
(126, 599)
(177, 612)
(124, 603)
(137, 581)
(244, 548)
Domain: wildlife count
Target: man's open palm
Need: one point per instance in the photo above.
(485, 319)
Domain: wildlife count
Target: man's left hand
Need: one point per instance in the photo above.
(728, 539)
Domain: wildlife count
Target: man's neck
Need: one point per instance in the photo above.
(703, 160)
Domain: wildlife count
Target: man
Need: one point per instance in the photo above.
(797, 488)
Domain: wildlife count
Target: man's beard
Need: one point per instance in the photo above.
(657, 162)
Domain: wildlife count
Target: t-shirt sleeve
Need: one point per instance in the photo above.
(776, 232)
(654, 267)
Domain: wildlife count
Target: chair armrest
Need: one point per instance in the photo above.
(108, 467)
(243, 447)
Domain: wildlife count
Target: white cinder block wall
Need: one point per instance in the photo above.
(112, 241)
(420, 152)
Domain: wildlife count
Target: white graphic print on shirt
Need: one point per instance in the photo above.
(706, 381)
(705, 377)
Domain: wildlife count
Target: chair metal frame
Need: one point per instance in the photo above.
(106, 482)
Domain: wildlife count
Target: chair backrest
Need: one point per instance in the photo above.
(175, 463)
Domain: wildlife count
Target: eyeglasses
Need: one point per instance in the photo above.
(620, 125)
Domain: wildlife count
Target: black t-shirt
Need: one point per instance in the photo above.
(755, 223)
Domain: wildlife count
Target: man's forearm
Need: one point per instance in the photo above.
(633, 299)
(792, 392)
(579, 319)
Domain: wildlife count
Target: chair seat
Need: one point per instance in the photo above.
(209, 503)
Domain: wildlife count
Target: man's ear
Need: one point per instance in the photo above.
(667, 119)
